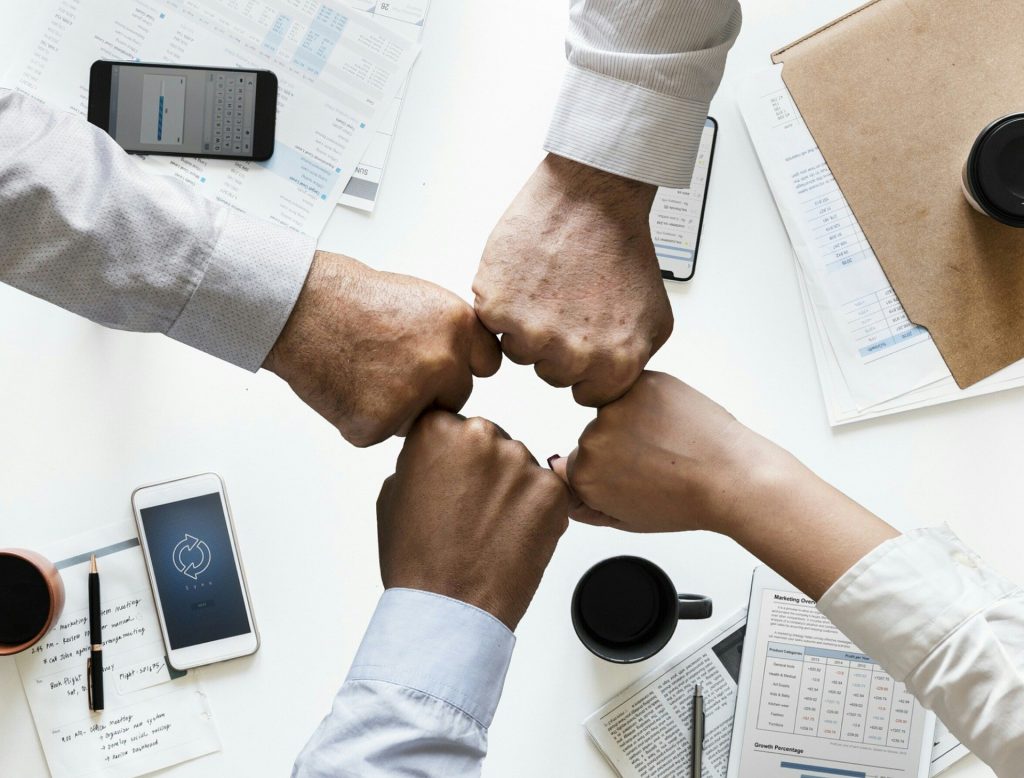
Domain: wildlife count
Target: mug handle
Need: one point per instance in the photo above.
(694, 606)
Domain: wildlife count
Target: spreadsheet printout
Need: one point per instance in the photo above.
(338, 73)
(881, 353)
(792, 163)
(812, 703)
(405, 17)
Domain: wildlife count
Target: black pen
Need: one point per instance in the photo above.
(94, 667)
(698, 732)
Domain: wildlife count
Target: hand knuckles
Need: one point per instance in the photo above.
(479, 430)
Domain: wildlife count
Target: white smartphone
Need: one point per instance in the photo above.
(195, 571)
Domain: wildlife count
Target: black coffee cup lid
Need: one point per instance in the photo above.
(999, 166)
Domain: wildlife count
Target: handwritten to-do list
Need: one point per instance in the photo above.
(154, 716)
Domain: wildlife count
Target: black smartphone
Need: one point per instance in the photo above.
(185, 111)
(678, 214)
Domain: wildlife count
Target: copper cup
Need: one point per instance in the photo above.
(54, 602)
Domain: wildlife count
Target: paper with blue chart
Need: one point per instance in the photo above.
(339, 71)
(872, 360)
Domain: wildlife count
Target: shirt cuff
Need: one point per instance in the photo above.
(247, 293)
(908, 595)
(438, 646)
(626, 129)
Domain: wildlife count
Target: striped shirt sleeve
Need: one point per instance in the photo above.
(640, 77)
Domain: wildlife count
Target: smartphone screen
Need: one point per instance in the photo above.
(162, 109)
(678, 214)
(195, 570)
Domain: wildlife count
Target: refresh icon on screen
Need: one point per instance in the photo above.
(191, 556)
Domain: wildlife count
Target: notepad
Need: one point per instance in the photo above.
(155, 716)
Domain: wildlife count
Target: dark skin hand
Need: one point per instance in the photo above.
(570, 280)
(469, 514)
(370, 351)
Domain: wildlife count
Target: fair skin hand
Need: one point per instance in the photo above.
(370, 351)
(665, 458)
(570, 280)
(469, 514)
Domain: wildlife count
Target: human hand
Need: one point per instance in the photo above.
(469, 514)
(570, 280)
(666, 458)
(369, 351)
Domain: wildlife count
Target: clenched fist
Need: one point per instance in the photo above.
(469, 514)
(369, 351)
(570, 280)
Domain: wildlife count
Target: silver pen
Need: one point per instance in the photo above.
(698, 732)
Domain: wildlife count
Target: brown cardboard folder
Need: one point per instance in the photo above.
(895, 94)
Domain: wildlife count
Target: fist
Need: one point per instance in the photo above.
(570, 280)
(666, 458)
(369, 351)
(469, 514)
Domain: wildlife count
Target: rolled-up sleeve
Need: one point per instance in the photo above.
(935, 616)
(84, 226)
(641, 74)
(420, 695)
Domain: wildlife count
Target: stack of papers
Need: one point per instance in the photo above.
(339, 71)
(405, 17)
(872, 360)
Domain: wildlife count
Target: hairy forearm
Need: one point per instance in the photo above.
(803, 528)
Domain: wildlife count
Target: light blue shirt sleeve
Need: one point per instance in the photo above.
(420, 695)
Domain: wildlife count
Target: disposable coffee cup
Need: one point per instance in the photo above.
(993, 174)
(625, 609)
(31, 599)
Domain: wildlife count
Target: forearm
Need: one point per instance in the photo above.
(83, 226)
(803, 528)
(641, 75)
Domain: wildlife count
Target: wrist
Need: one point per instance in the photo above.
(761, 483)
(624, 199)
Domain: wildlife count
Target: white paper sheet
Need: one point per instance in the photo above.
(646, 730)
(407, 18)
(154, 717)
(338, 73)
(811, 702)
(872, 361)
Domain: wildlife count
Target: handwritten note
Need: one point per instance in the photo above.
(155, 716)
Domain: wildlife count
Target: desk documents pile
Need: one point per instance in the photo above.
(872, 360)
(809, 703)
(339, 70)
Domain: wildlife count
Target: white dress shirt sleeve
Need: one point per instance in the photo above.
(641, 75)
(420, 695)
(84, 226)
(935, 616)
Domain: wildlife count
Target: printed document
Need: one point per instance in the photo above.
(811, 702)
(338, 70)
(154, 716)
(407, 18)
(647, 730)
(872, 360)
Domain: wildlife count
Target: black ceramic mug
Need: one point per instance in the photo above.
(625, 609)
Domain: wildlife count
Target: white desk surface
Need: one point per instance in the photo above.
(87, 414)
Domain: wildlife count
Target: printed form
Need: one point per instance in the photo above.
(154, 716)
(405, 17)
(338, 70)
(812, 704)
(872, 360)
